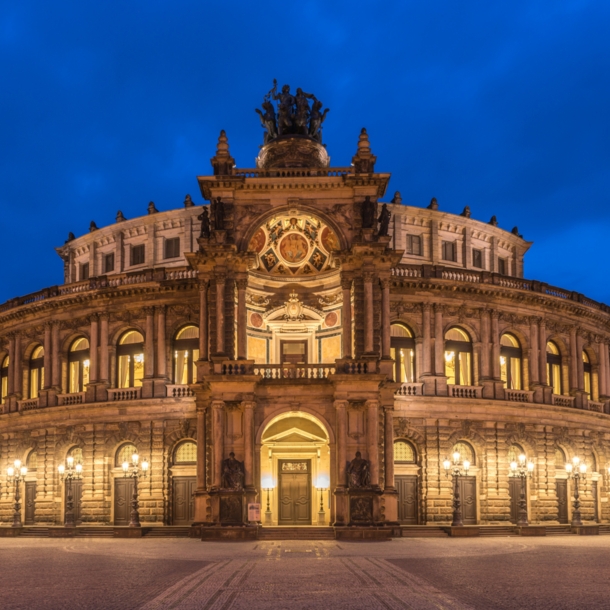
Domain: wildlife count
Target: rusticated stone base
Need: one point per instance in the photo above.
(375, 534)
(229, 533)
(61, 532)
(10, 532)
(129, 532)
(464, 531)
(586, 530)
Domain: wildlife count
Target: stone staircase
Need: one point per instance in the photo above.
(558, 530)
(168, 531)
(35, 532)
(497, 530)
(96, 532)
(604, 530)
(296, 533)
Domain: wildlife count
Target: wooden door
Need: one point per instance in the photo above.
(123, 493)
(408, 499)
(294, 492)
(293, 352)
(183, 501)
(30, 503)
(562, 500)
(77, 494)
(468, 498)
(595, 506)
(514, 490)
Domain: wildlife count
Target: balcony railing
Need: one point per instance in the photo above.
(595, 406)
(77, 398)
(410, 389)
(294, 371)
(519, 395)
(465, 391)
(124, 394)
(29, 404)
(179, 391)
(562, 401)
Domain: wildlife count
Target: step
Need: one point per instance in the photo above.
(497, 530)
(169, 531)
(558, 530)
(95, 532)
(35, 532)
(296, 533)
(421, 531)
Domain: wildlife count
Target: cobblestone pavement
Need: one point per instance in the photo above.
(420, 574)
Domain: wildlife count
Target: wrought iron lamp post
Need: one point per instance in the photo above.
(456, 469)
(268, 487)
(15, 474)
(576, 470)
(135, 470)
(321, 513)
(68, 473)
(522, 469)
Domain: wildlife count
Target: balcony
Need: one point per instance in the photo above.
(121, 394)
(465, 391)
(179, 391)
(410, 389)
(294, 371)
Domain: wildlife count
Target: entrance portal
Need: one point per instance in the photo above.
(295, 470)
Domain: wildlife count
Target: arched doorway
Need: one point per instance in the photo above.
(295, 469)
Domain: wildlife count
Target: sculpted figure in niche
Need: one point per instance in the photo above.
(359, 473)
(268, 120)
(232, 473)
(205, 222)
(218, 212)
(368, 213)
(384, 220)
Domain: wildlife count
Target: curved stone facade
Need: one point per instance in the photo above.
(399, 346)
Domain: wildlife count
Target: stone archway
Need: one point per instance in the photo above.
(295, 464)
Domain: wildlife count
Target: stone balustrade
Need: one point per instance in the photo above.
(179, 391)
(120, 394)
(295, 371)
(77, 398)
(519, 395)
(410, 389)
(465, 391)
(562, 401)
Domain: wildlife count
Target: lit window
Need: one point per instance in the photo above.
(78, 365)
(124, 453)
(403, 452)
(553, 367)
(402, 351)
(186, 354)
(587, 373)
(510, 362)
(36, 372)
(130, 355)
(458, 357)
(4, 380)
(186, 453)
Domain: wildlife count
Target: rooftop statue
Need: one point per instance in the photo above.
(294, 115)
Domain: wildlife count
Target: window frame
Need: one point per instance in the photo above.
(136, 249)
(502, 262)
(413, 238)
(413, 451)
(4, 370)
(129, 349)
(398, 343)
(479, 252)
(551, 361)
(587, 373)
(186, 345)
(444, 245)
(168, 244)
(511, 353)
(78, 356)
(36, 364)
(106, 257)
(84, 271)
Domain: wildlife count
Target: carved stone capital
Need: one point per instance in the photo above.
(148, 311)
(368, 276)
(203, 285)
(217, 404)
(248, 404)
(241, 284)
(340, 404)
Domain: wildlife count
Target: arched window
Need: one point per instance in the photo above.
(77, 454)
(465, 450)
(36, 371)
(560, 458)
(458, 357)
(553, 367)
(130, 355)
(404, 453)
(186, 353)
(186, 453)
(514, 451)
(78, 365)
(124, 453)
(402, 351)
(593, 463)
(3, 380)
(510, 362)
(32, 461)
(587, 373)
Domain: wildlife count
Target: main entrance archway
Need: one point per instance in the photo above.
(295, 470)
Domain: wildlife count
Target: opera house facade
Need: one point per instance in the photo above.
(307, 346)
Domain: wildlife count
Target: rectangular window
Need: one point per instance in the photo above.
(477, 258)
(414, 245)
(137, 255)
(449, 251)
(502, 266)
(172, 247)
(109, 262)
(84, 271)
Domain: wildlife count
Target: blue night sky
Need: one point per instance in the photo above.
(500, 106)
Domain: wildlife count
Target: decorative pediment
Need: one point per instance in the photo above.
(295, 435)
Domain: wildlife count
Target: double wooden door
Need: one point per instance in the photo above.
(562, 500)
(408, 499)
(123, 494)
(294, 492)
(77, 495)
(183, 500)
(468, 498)
(30, 503)
(514, 490)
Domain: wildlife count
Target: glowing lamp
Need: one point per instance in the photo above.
(447, 465)
(466, 465)
(61, 469)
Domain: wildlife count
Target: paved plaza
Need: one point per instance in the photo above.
(184, 574)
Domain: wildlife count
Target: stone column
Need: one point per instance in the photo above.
(248, 442)
(495, 345)
(542, 352)
(56, 364)
(218, 441)
(373, 439)
(104, 371)
(11, 364)
(201, 449)
(242, 319)
(47, 362)
(385, 318)
(203, 320)
(389, 447)
(485, 324)
(427, 341)
(346, 316)
(574, 372)
(368, 312)
(602, 369)
(439, 341)
(534, 355)
(341, 411)
(18, 368)
(161, 343)
(149, 343)
(220, 313)
(93, 342)
(580, 365)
